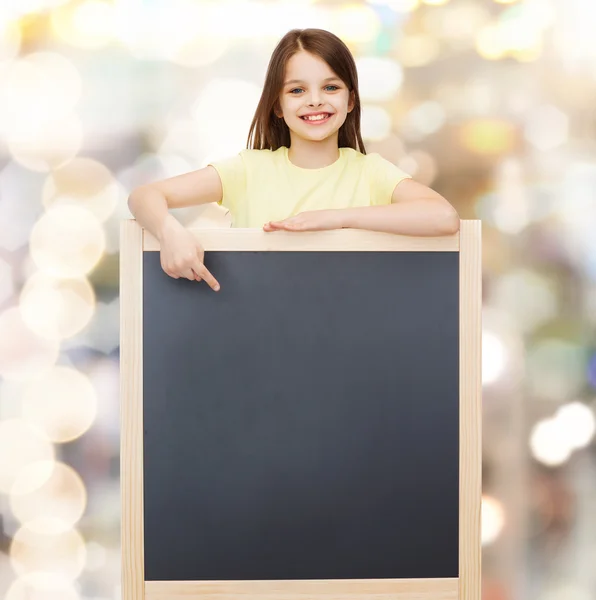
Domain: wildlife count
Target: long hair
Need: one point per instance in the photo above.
(267, 131)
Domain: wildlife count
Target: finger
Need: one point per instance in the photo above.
(209, 279)
(189, 274)
(291, 226)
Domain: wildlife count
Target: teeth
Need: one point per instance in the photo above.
(316, 118)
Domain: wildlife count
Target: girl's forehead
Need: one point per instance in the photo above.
(304, 64)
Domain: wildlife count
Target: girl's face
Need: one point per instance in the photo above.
(312, 88)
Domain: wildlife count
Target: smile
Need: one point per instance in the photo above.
(318, 119)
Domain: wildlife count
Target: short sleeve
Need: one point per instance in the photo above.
(232, 174)
(383, 177)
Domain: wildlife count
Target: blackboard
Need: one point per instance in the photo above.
(303, 422)
(310, 432)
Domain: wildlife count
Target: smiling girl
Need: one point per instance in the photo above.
(305, 167)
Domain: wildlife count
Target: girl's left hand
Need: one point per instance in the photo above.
(312, 220)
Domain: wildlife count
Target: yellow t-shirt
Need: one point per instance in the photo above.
(263, 185)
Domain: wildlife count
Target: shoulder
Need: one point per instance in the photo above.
(370, 162)
(379, 166)
(253, 157)
(375, 160)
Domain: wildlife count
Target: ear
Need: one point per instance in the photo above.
(351, 101)
(277, 110)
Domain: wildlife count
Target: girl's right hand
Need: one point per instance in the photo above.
(182, 255)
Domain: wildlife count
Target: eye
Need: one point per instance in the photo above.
(333, 86)
(292, 91)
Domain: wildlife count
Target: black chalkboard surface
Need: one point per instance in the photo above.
(303, 422)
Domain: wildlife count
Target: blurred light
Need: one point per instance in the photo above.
(61, 553)
(67, 242)
(355, 23)
(422, 120)
(22, 444)
(480, 98)
(163, 29)
(547, 127)
(46, 146)
(55, 506)
(503, 350)
(489, 43)
(573, 37)
(511, 210)
(10, 39)
(493, 519)
(10, 399)
(200, 51)
(435, 2)
(23, 354)
(112, 225)
(400, 6)
(417, 50)
(97, 556)
(188, 33)
(375, 122)
(223, 113)
(549, 444)
(576, 210)
(528, 297)
(494, 357)
(61, 402)
(488, 136)
(83, 182)
(56, 308)
(88, 24)
(13, 9)
(150, 167)
(16, 216)
(592, 363)
(102, 334)
(390, 148)
(184, 32)
(576, 420)
(158, 29)
(518, 32)
(379, 78)
(182, 138)
(556, 368)
(42, 586)
(32, 477)
(566, 591)
(38, 89)
(460, 22)
(420, 165)
(6, 284)
(105, 377)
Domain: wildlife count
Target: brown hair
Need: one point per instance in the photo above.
(267, 131)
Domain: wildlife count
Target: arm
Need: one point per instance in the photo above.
(149, 203)
(415, 209)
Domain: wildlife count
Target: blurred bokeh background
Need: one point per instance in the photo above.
(491, 103)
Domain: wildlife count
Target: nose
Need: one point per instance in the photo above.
(315, 99)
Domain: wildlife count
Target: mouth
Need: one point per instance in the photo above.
(317, 119)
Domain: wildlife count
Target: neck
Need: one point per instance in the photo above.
(309, 154)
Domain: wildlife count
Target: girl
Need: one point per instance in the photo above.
(305, 167)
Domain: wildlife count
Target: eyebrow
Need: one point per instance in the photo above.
(299, 81)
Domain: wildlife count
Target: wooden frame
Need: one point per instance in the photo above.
(135, 241)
